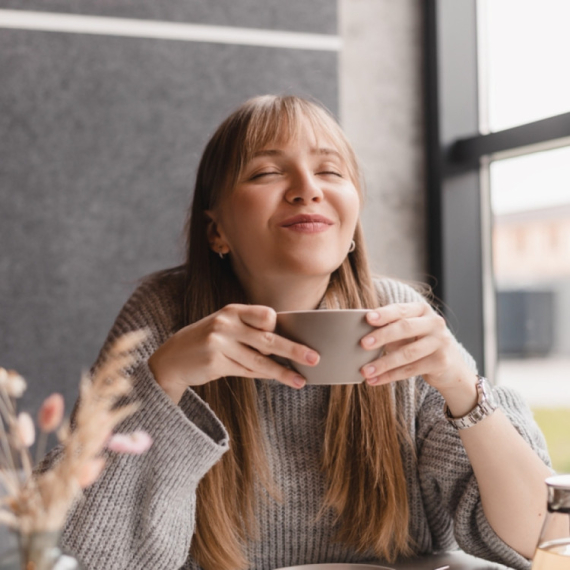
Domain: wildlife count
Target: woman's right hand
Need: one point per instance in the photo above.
(234, 341)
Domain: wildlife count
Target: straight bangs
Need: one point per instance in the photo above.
(279, 120)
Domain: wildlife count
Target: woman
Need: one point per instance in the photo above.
(250, 468)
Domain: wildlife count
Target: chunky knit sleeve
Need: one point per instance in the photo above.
(449, 488)
(140, 513)
(449, 491)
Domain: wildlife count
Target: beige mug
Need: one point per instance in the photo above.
(335, 334)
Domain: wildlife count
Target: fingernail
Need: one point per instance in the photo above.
(368, 341)
(369, 370)
(374, 316)
(372, 381)
(299, 381)
(312, 357)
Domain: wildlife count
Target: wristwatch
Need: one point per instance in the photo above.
(486, 405)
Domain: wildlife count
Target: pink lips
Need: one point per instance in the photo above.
(307, 223)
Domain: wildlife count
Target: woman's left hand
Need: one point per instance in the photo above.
(416, 342)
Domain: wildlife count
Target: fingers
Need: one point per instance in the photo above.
(404, 329)
(415, 341)
(397, 311)
(252, 364)
(258, 333)
(406, 361)
(244, 335)
(271, 343)
(256, 316)
(421, 367)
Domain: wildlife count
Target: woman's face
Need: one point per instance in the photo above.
(293, 211)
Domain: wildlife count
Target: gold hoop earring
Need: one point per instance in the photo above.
(352, 246)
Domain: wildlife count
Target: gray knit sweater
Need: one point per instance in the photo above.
(140, 514)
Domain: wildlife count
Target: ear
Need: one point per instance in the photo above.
(214, 233)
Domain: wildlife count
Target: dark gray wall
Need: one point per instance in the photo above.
(99, 141)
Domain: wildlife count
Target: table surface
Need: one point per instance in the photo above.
(455, 560)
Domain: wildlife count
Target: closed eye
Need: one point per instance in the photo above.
(331, 172)
(265, 173)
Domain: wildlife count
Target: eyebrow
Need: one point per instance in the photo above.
(318, 151)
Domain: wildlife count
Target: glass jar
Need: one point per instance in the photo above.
(553, 551)
(38, 551)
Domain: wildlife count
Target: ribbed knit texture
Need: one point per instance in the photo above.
(140, 514)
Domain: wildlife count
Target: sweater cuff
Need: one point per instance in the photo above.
(202, 416)
(471, 522)
(191, 428)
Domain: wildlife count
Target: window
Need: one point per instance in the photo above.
(498, 121)
(530, 199)
(524, 46)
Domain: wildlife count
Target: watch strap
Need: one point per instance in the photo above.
(485, 406)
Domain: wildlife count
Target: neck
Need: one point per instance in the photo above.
(287, 294)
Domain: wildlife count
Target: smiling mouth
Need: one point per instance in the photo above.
(304, 223)
(309, 227)
(307, 219)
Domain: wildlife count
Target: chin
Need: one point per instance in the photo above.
(312, 266)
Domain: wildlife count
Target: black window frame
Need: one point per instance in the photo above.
(459, 223)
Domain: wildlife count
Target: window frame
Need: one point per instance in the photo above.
(458, 155)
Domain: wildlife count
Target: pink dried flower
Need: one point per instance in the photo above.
(50, 415)
(129, 341)
(12, 382)
(90, 471)
(39, 503)
(24, 430)
(134, 443)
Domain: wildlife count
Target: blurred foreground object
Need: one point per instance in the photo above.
(35, 505)
(553, 552)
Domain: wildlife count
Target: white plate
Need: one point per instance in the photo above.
(337, 567)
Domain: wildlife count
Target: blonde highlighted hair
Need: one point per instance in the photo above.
(361, 457)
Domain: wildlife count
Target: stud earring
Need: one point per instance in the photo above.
(352, 246)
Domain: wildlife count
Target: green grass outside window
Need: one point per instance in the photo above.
(555, 425)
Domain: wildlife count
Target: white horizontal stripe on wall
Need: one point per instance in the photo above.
(124, 27)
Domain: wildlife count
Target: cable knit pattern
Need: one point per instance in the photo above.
(140, 514)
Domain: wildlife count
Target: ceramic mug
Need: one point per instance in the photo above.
(335, 334)
(336, 567)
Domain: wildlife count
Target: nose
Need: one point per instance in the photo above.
(304, 188)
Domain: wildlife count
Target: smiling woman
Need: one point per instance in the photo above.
(290, 217)
(250, 468)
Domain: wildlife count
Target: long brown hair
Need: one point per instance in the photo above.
(361, 458)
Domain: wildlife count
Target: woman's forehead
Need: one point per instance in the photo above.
(305, 132)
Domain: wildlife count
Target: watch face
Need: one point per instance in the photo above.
(486, 393)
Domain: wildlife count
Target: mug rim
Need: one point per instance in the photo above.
(321, 311)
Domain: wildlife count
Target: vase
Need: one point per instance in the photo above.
(39, 551)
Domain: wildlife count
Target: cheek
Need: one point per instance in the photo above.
(350, 206)
(240, 208)
(255, 205)
(245, 217)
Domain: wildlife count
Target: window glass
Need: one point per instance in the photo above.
(530, 197)
(525, 56)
